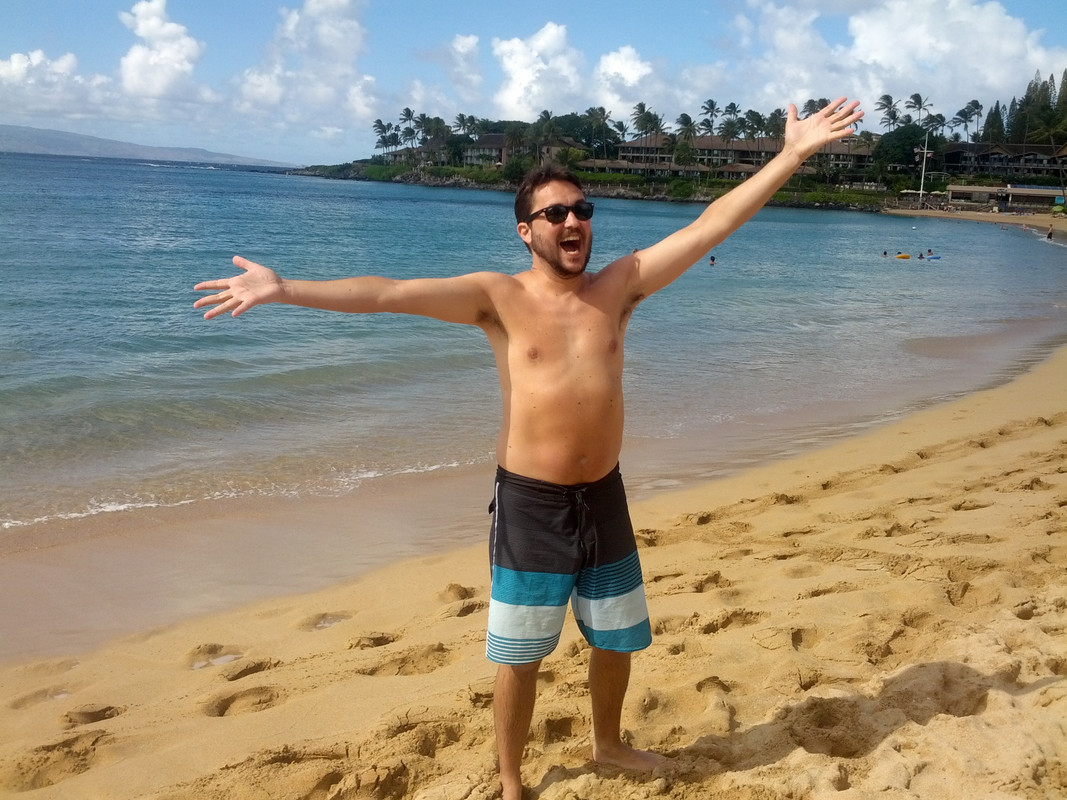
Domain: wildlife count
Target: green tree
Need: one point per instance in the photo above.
(890, 113)
(755, 124)
(994, 124)
(976, 114)
(637, 118)
(514, 140)
(684, 155)
(598, 118)
(775, 126)
(900, 148)
(569, 157)
(1048, 127)
(543, 133)
(918, 104)
(963, 119)
(687, 128)
(709, 111)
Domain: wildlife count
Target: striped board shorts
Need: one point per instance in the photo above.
(551, 545)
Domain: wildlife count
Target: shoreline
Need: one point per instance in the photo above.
(1037, 221)
(139, 569)
(873, 616)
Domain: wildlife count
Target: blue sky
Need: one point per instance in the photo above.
(302, 82)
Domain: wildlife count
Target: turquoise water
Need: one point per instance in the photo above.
(115, 394)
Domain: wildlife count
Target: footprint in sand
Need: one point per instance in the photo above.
(423, 736)
(455, 591)
(462, 608)
(320, 622)
(247, 701)
(243, 669)
(212, 655)
(414, 661)
(370, 640)
(54, 763)
(40, 696)
(88, 714)
(558, 729)
(704, 623)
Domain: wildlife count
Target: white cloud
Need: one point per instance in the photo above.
(310, 69)
(955, 50)
(541, 72)
(163, 64)
(463, 69)
(950, 50)
(37, 68)
(306, 81)
(33, 84)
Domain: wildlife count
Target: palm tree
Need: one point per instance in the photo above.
(514, 139)
(409, 135)
(976, 111)
(465, 124)
(729, 130)
(637, 115)
(891, 119)
(598, 117)
(710, 110)
(687, 128)
(963, 118)
(934, 123)
(621, 128)
(919, 104)
(755, 123)
(422, 125)
(544, 132)
(775, 124)
(384, 132)
(888, 106)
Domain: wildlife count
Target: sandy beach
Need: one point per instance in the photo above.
(1039, 222)
(885, 617)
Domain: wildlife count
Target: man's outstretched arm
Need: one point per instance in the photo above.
(462, 299)
(663, 262)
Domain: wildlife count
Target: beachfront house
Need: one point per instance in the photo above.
(1008, 198)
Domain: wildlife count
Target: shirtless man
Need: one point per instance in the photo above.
(561, 530)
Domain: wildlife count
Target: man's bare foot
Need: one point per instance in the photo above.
(511, 790)
(626, 757)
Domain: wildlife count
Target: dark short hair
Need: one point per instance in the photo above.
(535, 179)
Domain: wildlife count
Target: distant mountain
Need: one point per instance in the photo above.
(40, 141)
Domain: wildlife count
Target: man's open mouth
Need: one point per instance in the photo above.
(570, 245)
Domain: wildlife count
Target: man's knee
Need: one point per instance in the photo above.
(520, 671)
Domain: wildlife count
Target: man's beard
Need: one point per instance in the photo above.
(551, 256)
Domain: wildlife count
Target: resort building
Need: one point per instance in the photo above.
(654, 156)
(1038, 160)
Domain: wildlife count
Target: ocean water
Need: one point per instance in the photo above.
(115, 394)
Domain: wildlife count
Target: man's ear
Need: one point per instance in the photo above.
(525, 233)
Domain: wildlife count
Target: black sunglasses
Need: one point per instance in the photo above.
(555, 214)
